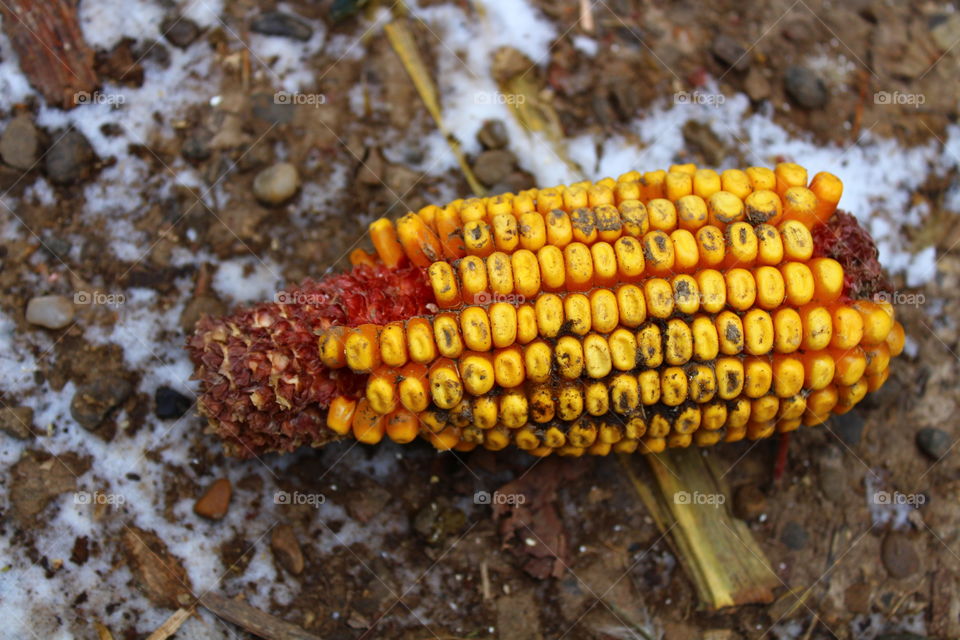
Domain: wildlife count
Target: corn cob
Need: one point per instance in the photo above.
(657, 310)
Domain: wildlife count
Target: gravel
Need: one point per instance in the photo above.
(50, 312)
(20, 143)
(805, 87)
(277, 184)
(278, 23)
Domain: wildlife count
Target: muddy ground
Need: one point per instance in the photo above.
(444, 566)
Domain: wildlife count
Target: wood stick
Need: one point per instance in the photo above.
(253, 620)
(171, 624)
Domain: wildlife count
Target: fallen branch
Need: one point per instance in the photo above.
(251, 619)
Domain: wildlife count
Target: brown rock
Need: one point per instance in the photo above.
(215, 501)
(898, 555)
(158, 573)
(39, 476)
(493, 166)
(94, 401)
(198, 307)
(17, 421)
(286, 549)
(756, 85)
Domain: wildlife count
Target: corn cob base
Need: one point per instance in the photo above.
(658, 310)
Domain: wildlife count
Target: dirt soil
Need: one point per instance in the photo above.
(590, 563)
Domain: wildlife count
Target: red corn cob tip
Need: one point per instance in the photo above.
(263, 386)
(844, 240)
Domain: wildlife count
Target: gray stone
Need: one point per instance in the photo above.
(730, 52)
(493, 134)
(20, 143)
(69, 159)
(50, 312)
(493, 166)
(278, 23)
(92, 402)
(276, 184)
(805, 87)
(899, 556)
(933, 442)
(179, 31)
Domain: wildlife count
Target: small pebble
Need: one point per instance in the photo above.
(933, 442)
(93, 401)
(848, 427)
(898, 555)
(215, 501)
(805, 87)
(20, 143)
(277, 23)
(276, 184)
(728, 51)
(179, 31)
(51, 312)
(756, 85)
(749, 503)
(493, 166)
(69, 159)
(17, 421)
(171, 404)
(198, 307)
(286, 549)
(493, 134)
(794, 536)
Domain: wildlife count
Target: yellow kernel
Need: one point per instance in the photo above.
(549, 200)
(584, 222)
(604, 264)
(331, 347)
(818, 369)
(713, 290)
(758, 332)
(446, 390)
(724, 208)
(596, 356)
(685, 250)
(629, 255)
(478, 238)
(792, 407)
(787, 376)
(549, 310)
(542, 408)
(787, 330)
(393, 345)
(819, 405)
(703, 383)
(496, 439)
(500, 273)
(526, 273)
(444, 284)
(574, 197)
(827, 279)
(761, 178)
(473, 277)
(798, 281)
(658, 252)
(412, 388)
(601, 193)
(634, 217)
(678, 185)
(340, 414)
(877, 321)
(847, 327)
(771, 290)
(659, 297)
(817, 327)
(503, 324)
(729, 332)
(568, 354)
(686, 294)
(632, 307)
(662, 215)
(757, 377)
(537, 360)
(649, 382)
(508, 367)
(742, 244)
(603, 310)
(578, 262)
(729, 372)
(361, 348)
(706, 344)
(477, 374)
(623, 349)
(736, 182)
(596, 399)
(738, 414)
(679, 342)
(673, 386)
(446, 332)
(706, 182)
(763, 206)
(576, 309)
(505, 232)
(475, 327)
(741, 289)
(532, 230)
(570, 401)
(878, 359)
(770, 249)
(609, 225)
(764, 409)
(828, 188)
(381, 391)
(686, 422)
(552, 271)
(710, 245)
(582, 434)
(473, 209)
(789, 174)
(692, 212)
(797, 241)
(514, 409)
(650, 346)
(559, 228)
(850, 365)
(713, 415)
(526, 323)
